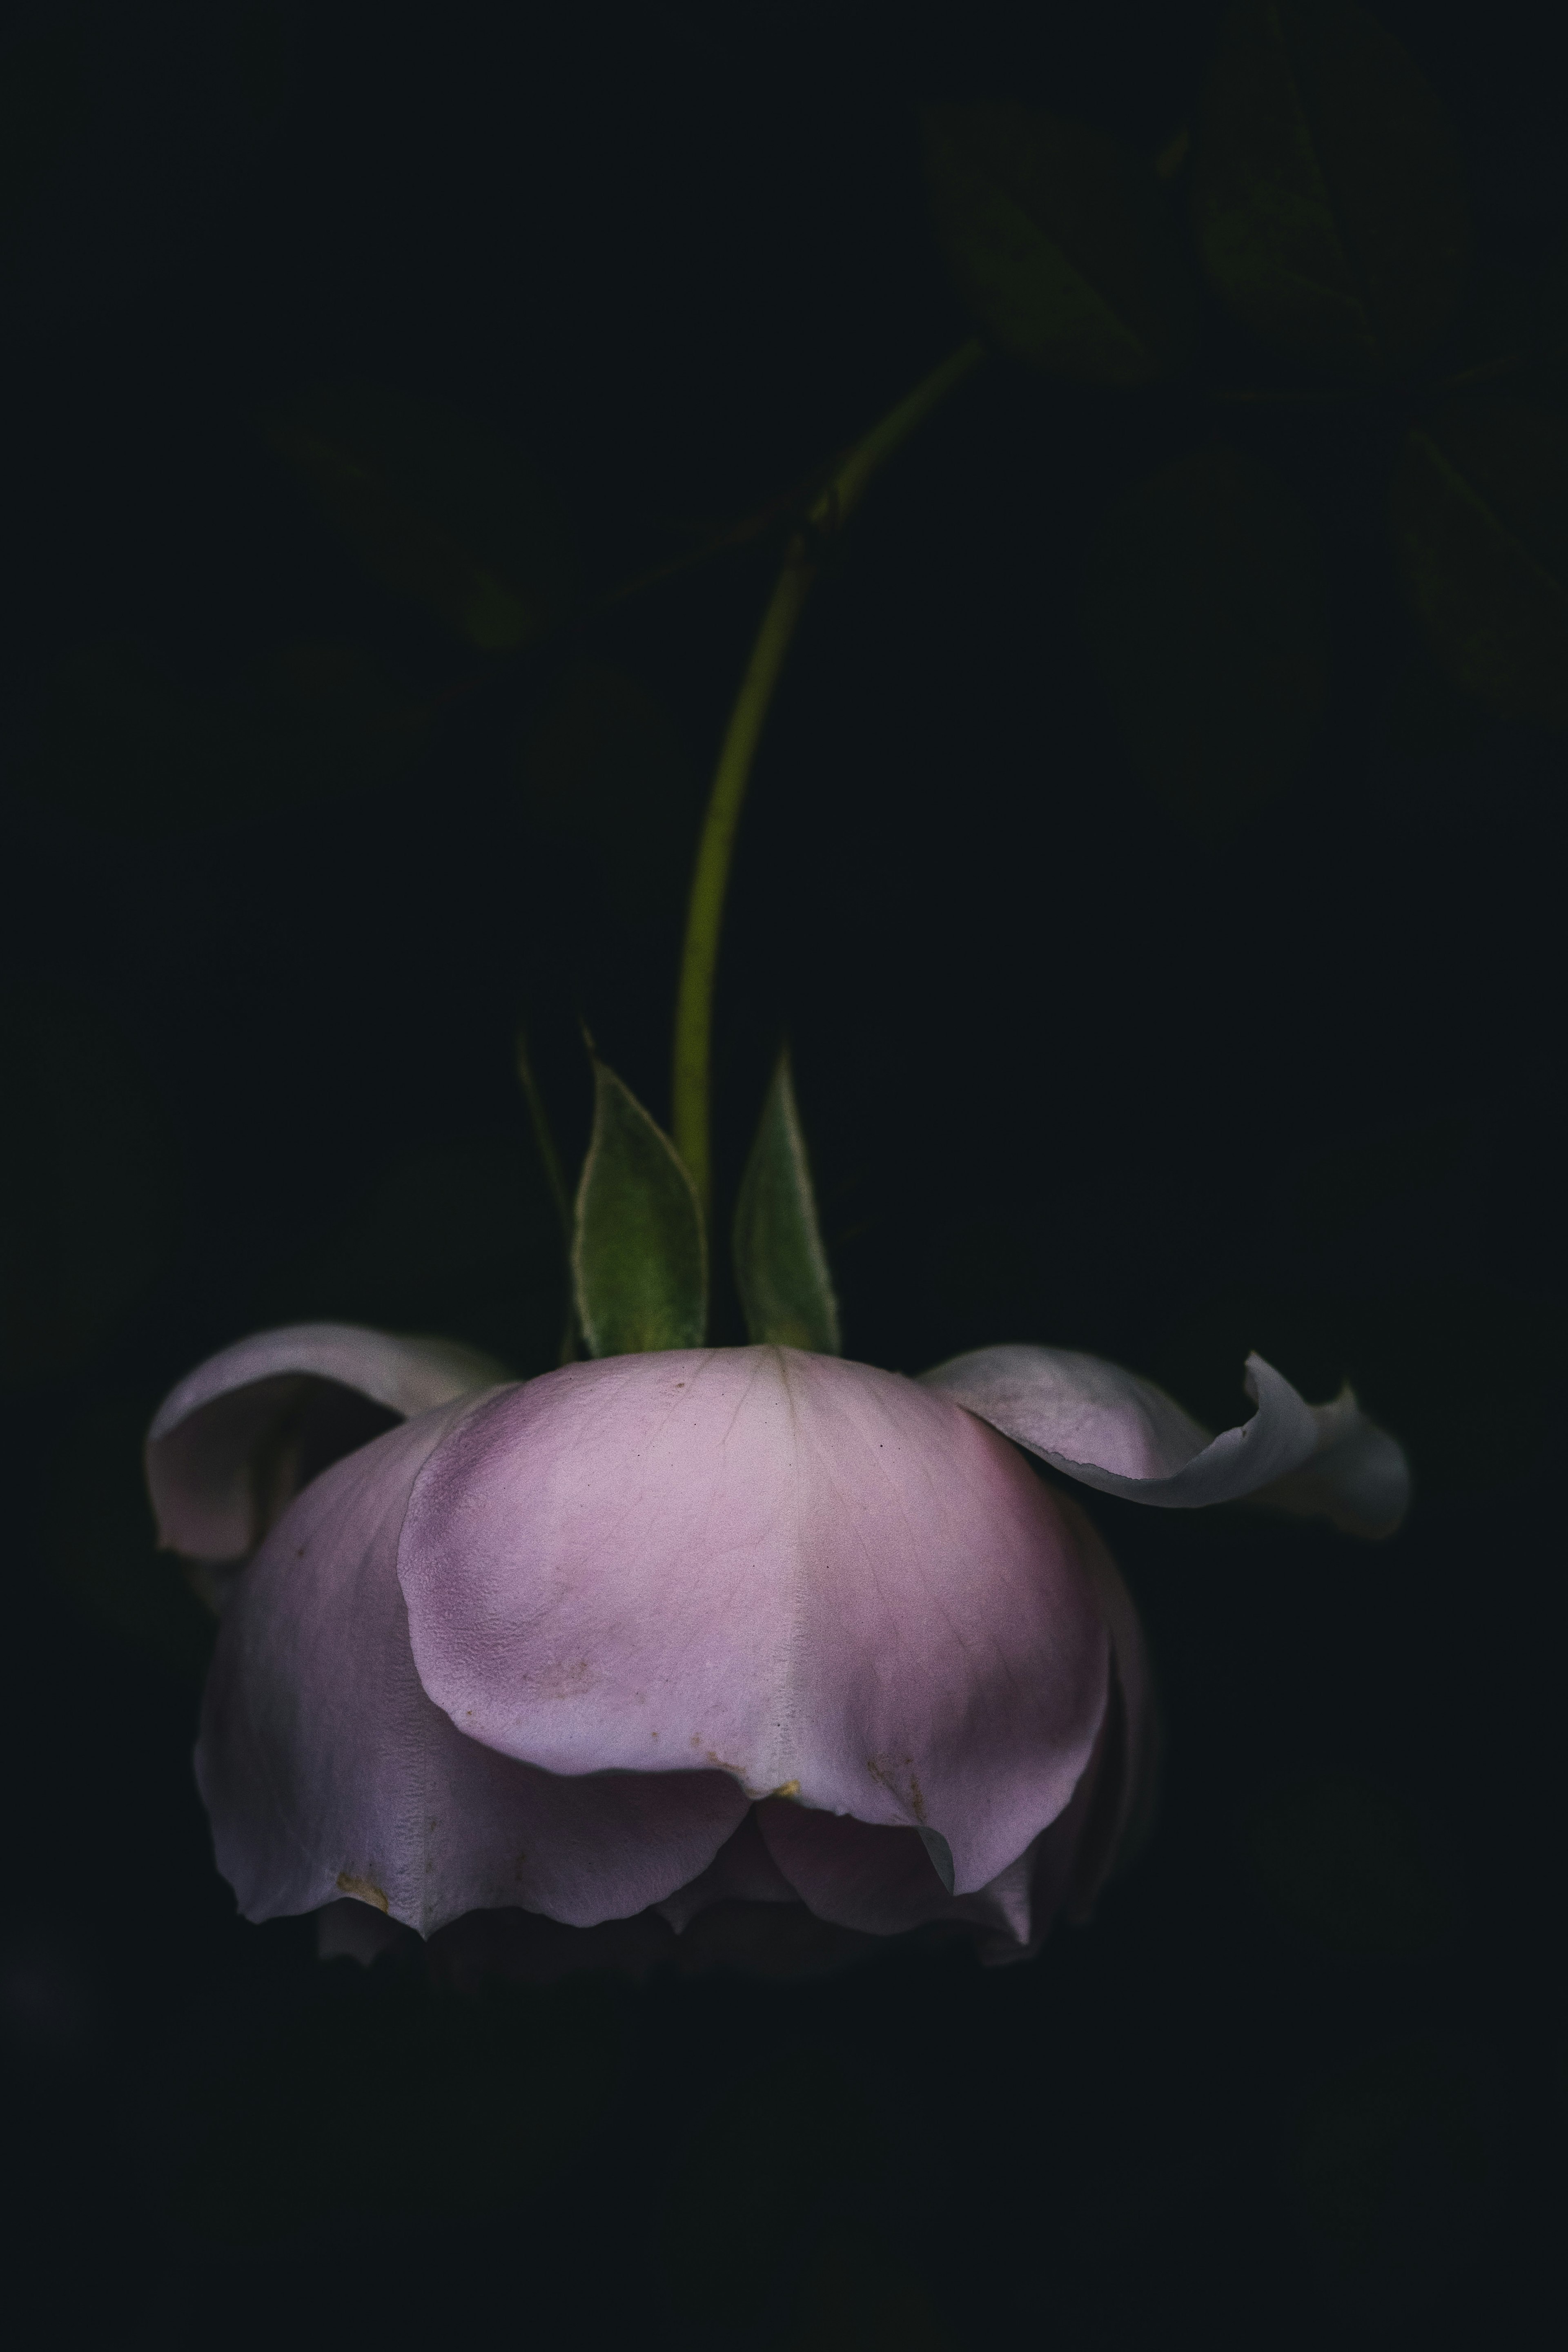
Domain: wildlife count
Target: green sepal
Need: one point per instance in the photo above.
(639, 1253)
(780, 1266)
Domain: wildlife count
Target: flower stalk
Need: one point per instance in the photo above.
(692, 1080)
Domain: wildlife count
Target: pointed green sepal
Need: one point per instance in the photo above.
(639, 1258)
(780, 1266)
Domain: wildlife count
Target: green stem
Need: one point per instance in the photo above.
(690, 1121)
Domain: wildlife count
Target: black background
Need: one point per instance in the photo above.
(1070, 1072)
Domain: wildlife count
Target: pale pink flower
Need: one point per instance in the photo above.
(663, 1633)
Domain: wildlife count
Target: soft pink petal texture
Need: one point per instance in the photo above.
(877, 1879)
(1113, 1431)
(326, 1771)
(882, 1881)
(823, 1579)
(742, 1871)
(246, 1430)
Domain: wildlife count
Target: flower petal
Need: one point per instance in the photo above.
(240, 1435)
(883, 1882)
(327, 1771)
(742, 1871)
(1121, 1434)
(819, 1578)
(1358, 1477)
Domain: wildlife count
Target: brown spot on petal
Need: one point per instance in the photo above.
(786, 1788)
(885, 1778)
(563, 1679)
(363, 1890)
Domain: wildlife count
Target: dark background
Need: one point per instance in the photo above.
(1071, 1070)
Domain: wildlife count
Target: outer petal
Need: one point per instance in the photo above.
(327, 1771)
(882, 1881)
(1358, 1477)
(823, 1579)
(1113, 1431)
(742, 1871)
(243, 1433)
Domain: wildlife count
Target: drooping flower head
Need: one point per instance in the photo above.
(684, 1630)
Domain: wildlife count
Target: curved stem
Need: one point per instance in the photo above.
(690, 1115)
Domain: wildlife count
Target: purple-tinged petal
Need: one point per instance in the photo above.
(1358, 1478)
(350, 1929)
(857, 1875)
(823, 1579)
(742, 1871)
(1123, 1436)
(239, 1437)
(884, 1883)
(326, 1771)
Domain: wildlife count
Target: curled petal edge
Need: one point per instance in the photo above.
(1120, 1435)
(233, 1443)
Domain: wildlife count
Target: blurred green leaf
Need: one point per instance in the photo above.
(780, 1266)
(1479, 516)
(1393, 2175)
(120, 745)
(1206, 608)
(1327, 192)
(855, 2297)
(90, 1184)
(639, 1255)
(1061, 241)
(459, 1238)
(42, 105)
(381, 2098)
(1348, 1862)
(1340, 1187)
(100, 1544)
(741, 2212)
(607, 774)
(1458, 1374)
(435, 506)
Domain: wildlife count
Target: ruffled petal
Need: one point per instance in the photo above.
(239, 1437)
(883, 1881)
(1358, 1478)
(742, 1871)
(1123, 1436)
(857, 1875)
(823, 1579)
(326, 1771)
